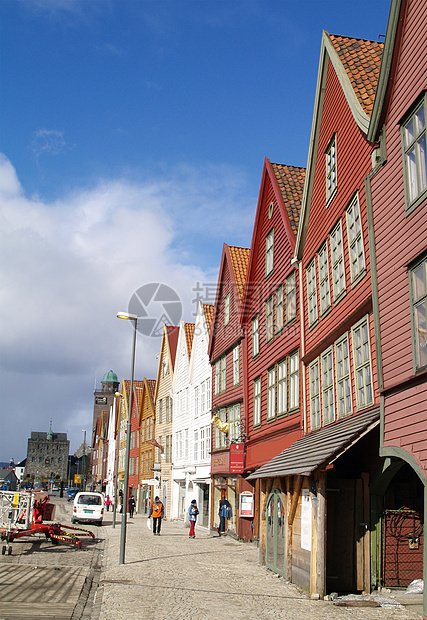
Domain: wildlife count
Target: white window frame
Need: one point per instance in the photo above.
(223, 373)
(269, 253)
(271, 393)
(418, 297)
(236, 365)
(294, 381)
(413, 136)
(327, 382)
(324, 290)
(331, 169)
(196, 401)
(234, 421)
(257, 402)
(362, 364)
(312, 293)
(227, 309)
(217, 376)
(255, 336)
(280, 301)
(269, 319)
(342, 377)
(315, 409)
(355, 240)
(291, 297)
(337, 261)
(282, 387)
(196, 444)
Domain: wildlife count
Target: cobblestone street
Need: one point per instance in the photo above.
(174, 577)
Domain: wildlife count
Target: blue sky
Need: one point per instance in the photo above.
(133, 135)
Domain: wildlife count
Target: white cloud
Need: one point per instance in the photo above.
(47, 142)
(69, 266)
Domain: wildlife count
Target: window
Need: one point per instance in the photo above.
(413, 133)
(271, 393)
(221, 438)
(362, 364)
(236, 365)
(312, 293)
(170, 409)
(282, 388)
(342, 370)
(337, 258)
(196, 445)
(257, 402)
(202, 444)
(217, 376)
(355, 240)
(234, 422)
(159, 450)
(255, 336)
(331, 169)
(291, 298)
(328, 387)
(418, 289)
(208, 394)
(208, 439)
(186, 444)
(294, 380)
(314, 394)
(160, 411)
(269, 318)
(196, 401)
(325, 297)
(202, 397)
(269, 252)
(223, 373)
(227, 309)
(279, 309)
(167, 451)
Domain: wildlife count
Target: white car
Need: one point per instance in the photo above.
(88, 507)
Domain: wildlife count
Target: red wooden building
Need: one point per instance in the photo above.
(134, 437)
(322, 481)
(225, 351)
(397, 201)
(271, 320)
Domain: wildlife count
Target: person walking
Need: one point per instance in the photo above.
(107, 502)
(131, 506)
(224, 512)
(156, 511)
(193, 511)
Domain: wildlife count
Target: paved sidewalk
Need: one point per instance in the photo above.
(173, 577)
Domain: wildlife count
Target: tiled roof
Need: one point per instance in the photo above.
(189, 333)
(361, 59)
(239, 260)
(209, 311)
(291, 184)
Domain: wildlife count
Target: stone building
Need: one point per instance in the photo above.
(47, 456)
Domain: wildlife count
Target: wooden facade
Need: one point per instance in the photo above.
(143, 445)
(398, 221)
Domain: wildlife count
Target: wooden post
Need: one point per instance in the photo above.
(321, 536)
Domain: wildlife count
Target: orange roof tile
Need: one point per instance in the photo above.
(239, 259)
(291, 184)
(209, 311)
(189, 334)
(362, 60)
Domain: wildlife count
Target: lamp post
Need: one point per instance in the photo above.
(134, 318)
(116, 473)
(83, 460)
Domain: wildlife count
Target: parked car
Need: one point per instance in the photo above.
(72, 492)
(88, 507)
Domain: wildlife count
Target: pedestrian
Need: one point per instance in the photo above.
(193, 511)
(131, 506)
(156, 511)
(107, 502)
(224, 512)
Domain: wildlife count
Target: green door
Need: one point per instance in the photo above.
(275, 535)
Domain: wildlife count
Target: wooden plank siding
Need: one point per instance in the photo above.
(353, 164)
(269, 438)
(399, 239)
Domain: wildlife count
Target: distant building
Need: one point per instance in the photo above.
(8, 480)
(47, 456)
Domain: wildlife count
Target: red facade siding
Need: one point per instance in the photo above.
(399, 239)
(270, 438)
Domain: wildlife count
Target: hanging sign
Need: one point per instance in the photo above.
(237, 458)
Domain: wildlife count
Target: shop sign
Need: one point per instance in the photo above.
(246, 508)
(237, 458)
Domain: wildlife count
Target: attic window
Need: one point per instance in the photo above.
(270, 210)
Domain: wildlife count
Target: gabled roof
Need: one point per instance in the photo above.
(361, 60)
(290, 180)
(173, 333)
(356, 63)
(168, 347)
(288, 184)
(148, 388)
(208, 309)
(189, 335)
(239, 258)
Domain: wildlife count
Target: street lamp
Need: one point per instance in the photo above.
(134, 318)
(83, 460)
(116, 473)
